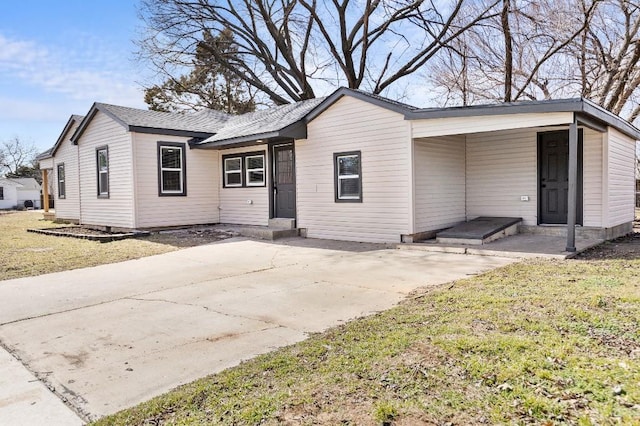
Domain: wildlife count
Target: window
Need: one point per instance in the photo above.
(102, 162)
(242, 170)
(348, 177)
(1, 193)
(171, 169)
(255, 170)
(62, 189)
(233, 172)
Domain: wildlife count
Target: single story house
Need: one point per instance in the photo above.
(15, 192)
(353, 166)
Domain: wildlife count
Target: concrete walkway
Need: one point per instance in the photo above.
(109, 337)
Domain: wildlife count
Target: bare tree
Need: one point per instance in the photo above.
(289, 48)
(16, 156)
(520, 54)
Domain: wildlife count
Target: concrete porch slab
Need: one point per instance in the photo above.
(478, 231)
(520, 246)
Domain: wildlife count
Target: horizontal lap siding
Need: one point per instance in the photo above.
(244, 206)
(502, 167)
(117, 210)
(439, 169)
(199, 206)
(592, 177)
(384, 141)
(621, 178)
(465, 125)
(67, 153)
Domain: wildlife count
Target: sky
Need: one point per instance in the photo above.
(57, 57)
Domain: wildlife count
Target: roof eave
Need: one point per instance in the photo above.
(297, 130)
(169, 132)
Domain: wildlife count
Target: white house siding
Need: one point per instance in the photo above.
(621, 178)
(592, 177)
(199, 206)
(118, 209)
(465, 125)
(502, 167)
(383, 137)
(47, 163)
(244, 206)
(67, 153)
(439, 170)
(9, 196)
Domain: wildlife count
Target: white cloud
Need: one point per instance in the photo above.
(92, 73)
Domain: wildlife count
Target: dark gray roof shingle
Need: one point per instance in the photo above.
(263, 122)
(205, 121)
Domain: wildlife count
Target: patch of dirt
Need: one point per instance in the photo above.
(191, 237)
(621, 248)
(79, 230)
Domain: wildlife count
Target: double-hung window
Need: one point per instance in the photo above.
(62, 187)
(348, 177)
(254, 165)
(102, 163)
(242, 170)
(171, 169)
(233, 172)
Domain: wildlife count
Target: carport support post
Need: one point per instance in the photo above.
(573, 186)
(45, 190)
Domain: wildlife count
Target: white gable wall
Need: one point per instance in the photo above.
(620, 178)
(67, 153)
(199, 206)
(118, 209)
(384, 139)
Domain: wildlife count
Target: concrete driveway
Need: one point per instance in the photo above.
(109, 337)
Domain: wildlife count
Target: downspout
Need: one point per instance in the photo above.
(573, 186)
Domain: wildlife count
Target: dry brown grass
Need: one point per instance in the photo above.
(26, 254)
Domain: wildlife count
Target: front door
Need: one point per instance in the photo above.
(553, 173)
(284, 185)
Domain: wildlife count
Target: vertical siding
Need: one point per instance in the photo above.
(592, 178)
(384, 139)
(117, 210)
(439, 170)
(67, 153)
(245, 206)
(199, 206)
(621, 178)
(502, 167)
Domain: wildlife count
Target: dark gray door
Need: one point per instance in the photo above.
(553, 172)
(284, 185)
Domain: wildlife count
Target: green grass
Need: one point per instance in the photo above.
(540, 342)
(26, 254)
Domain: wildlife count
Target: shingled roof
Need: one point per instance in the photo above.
(195, 124)
(52, 151)
(284, 121)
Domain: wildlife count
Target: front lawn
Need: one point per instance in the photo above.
(539, 342)
(26, 254)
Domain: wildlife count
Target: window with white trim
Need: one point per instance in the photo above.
(244, 170)
(254, 165)
(348, 176)
(102, 164)
(171, 169)
(62, 187)
(232, 172)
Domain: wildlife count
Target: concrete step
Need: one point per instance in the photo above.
(268, 233)
(479, 231)
(282, 223)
